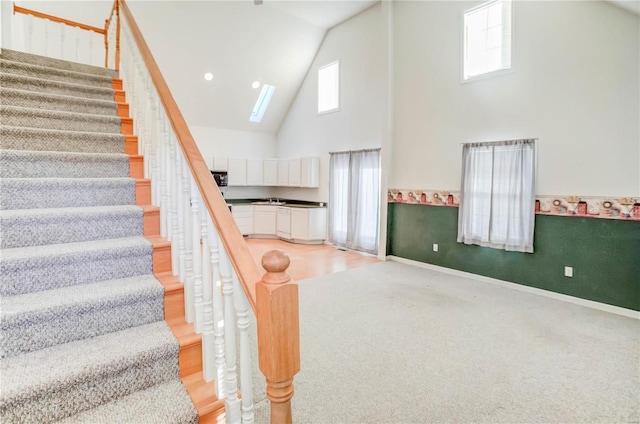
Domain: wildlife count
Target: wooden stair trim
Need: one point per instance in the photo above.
(123, 109)
(136, 166)
(173, 296)
(209, 409)
(116, 84)
(131, 145)
(150, 220)
(126, 126)
(143, 191)
(119, 96)
(161, 254)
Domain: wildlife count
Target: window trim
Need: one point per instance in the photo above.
(336, 109)
(490, 74)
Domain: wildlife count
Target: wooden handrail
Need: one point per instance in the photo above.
(239, 254)
(24, 10)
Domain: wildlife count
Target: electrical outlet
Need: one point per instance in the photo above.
(568, 271)
(435, 247)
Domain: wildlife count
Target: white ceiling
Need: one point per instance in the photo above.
(322, 13)
(630, 5)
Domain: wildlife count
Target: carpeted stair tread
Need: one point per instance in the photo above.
(35, 164)
(37, 227)
(37, 268)
(54, 74)
(40, 85)
(32, 193)
(35, 321)
(23, 57)
(67, 379)
(22, 138)
(58, 120)
(148, 406)
(48, 101)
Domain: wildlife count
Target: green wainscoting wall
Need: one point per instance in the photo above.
(604, 253)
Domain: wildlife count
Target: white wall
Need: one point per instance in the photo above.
(359, 44)
(236, 144)
(575, 85)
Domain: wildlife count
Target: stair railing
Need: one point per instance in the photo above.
(51, 36)
(222, 282)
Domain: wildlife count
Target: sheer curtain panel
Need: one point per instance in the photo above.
(354, 199)
(497, 196)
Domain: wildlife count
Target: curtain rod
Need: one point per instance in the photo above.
(357, 151)
(500, 141)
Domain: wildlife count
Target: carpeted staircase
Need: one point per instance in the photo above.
(83, 336)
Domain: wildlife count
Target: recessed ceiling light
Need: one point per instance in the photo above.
(255, 84)
(208, 76)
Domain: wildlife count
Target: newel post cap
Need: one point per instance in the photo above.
(275, 262)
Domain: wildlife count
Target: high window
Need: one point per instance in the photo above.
(497, 196)
(329, 88)
(487, 38)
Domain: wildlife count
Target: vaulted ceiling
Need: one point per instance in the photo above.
(239, 43)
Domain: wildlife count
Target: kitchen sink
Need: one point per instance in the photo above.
(267, 202)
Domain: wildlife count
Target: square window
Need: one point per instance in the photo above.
(329, 88)
(487, 38)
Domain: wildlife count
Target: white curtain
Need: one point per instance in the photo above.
(497, 196)
(354, 199)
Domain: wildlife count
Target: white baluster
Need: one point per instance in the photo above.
(197, 257)
(164, 176)
(29, 21)
(182, 255)
(232, 404)
(47, 53)
(218, 313)
(91, 52)
(175, 229)
(208, 346)
(189, 307)
(76, 56)
(246, 384)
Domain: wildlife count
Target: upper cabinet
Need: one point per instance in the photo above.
(298, 172)
(255, 172)
(310, 172)
(237, 172)
(270, 172)
(283, 172)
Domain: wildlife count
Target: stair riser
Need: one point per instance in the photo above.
(50, 329)
(64, 400)
(46, 273)
(42, 230)
(61, 193)
(57, 63)
(20, 82)
(60, 141)
(57, 166)
(51, 120)
(55, 102)
(53, 74)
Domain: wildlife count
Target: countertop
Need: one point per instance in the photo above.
(287, 203)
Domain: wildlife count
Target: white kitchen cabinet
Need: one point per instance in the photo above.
(264, 220)
(283, 172)
(255, 172)
(283, 222)
(270, 172)
(237, 172)
(294, 172)
(219, 164)
(243, 215)
(309, 224)
(310, 172)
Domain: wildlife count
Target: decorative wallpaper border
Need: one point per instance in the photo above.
(582, 206)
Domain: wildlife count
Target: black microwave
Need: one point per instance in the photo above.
(220, 177)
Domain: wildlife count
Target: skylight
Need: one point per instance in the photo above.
(329, 88)
(263, 103)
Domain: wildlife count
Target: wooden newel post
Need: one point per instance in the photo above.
(278, 333)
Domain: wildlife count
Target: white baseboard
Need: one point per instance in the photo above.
(546, 293)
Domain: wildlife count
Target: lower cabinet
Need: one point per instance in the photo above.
(243, 215)
(283, 222)
(308, 225)
(264, 220)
